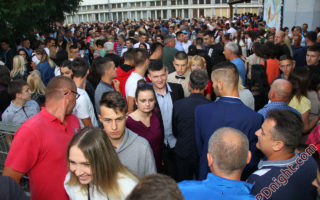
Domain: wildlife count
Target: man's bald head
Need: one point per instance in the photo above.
(226, 72)
(279, 37)
(229, 149)
(55, 87)
(280, 91)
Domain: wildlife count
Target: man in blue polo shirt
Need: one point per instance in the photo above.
(284, 174)
(228, 154)
(279, 95)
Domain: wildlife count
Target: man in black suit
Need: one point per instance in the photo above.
(166, 94)
(187, 159)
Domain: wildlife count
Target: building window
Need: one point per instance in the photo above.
(96, 7)
(185, 2)
(173, 2)
(173, 13)
(165, 16)
(119, 5)
(186, 13)
(100, 7)
(179, 2)
(152, 3)
(208, 1)
(153, 14)
(179, 12)
(145, 14)
(224, 1)
(158, 3)
(138, 14)
(201, 1)
(164, 3)
(217, 1)
(114, 17)
(158, 14)
(195, 1)
(114, 5)
(125, 15)
(97, 17)
(133, 15)
(131, 5)
(138, 4)
(102, 17)
(144, 4)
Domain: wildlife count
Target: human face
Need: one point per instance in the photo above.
(39, 56)
(25, 93)
(129, 44)
(74, 53)
(185, 37)
(313, 58)
(145, 101)
(158, 78)
(158, 39)
(196, 66)
(51, 43)
(114, 123)
(143, 38)
(265, 141)
(113, 70)
(286, 66)
(226, 53)
(79, 165)
(72, 99)
(180, 66)
(206, 40)
(23, 54)
(65, 71)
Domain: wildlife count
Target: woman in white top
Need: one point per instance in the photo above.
(95, 171)
(241, 41)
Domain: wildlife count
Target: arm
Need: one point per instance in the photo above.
(87, 122)
(130, 104)
(15, 175)
(308, 125)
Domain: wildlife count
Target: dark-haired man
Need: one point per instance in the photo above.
(181, 74)
(133, 151)
(83, 109)
(283, 173)
(313, 56)
(106, 69)
(166, 94)
(21, 107)
(179, 40)
(40, 145)
(141, 62)
(187, 158)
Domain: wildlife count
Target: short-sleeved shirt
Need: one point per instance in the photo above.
(131, 84)
(302, 106)
(18, 114)
(84, 108)
(39, 149)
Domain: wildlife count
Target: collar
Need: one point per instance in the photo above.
(47, 115)
(218, 183)
(277, 163)
(106, 84)
(232, 97)
(196, 95)
(168, 90)
(277, 103)
(14, 107)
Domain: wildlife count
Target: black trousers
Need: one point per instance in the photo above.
(186, 169)
(169, 164)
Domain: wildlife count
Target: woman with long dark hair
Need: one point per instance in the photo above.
(299, 78)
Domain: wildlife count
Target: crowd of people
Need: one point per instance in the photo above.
(225, 107)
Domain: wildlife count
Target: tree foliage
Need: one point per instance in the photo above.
(21, 17)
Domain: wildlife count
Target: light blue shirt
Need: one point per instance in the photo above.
(276, 106)
(166, 108)
(241, 69)
(179, 46)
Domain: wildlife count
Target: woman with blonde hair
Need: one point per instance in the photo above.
(46, 66)
(19, 70)
(36, 87)
(95, 171)
(199, 63)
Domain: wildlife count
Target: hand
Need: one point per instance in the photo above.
(116, 85)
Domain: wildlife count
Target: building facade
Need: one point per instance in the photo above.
(118, 10)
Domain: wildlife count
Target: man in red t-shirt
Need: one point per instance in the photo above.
(40, 145)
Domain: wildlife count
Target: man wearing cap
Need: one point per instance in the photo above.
(109, 48)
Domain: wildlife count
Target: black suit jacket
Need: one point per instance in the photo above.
(176, 94)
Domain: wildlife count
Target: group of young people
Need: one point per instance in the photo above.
(223, 105)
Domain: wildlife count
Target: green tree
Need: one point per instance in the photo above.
(22, 17)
